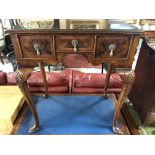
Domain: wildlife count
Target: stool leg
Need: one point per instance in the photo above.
(43, 73)
(107, 80)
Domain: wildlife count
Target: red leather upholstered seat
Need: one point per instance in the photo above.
(57, 82)
(67, 81)
(53, 79)
(94, 82)
(11, 78)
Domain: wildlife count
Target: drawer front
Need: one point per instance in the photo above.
(113, 46)
(64, 43)
(36, 46)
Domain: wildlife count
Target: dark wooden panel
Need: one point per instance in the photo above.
(122, 43)
(64, 43)
(142, 94)
(27, 46)
(57, 43)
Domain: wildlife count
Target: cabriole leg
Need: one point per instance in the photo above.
(21, 79)
(128, 81)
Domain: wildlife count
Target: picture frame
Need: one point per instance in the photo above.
(130, 21)
(85, 24)
(147, 21)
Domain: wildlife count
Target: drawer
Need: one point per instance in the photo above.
(113, 46)
(36, 46)
(83, 43)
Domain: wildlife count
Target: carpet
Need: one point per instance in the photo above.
(70, 115)
(147, 129)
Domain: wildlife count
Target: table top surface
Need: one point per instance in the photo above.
(10, 99)
(108, 26)
(10, 90)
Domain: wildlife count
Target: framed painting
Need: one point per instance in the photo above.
(85, 23)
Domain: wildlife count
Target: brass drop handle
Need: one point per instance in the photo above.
(112, 47)
(75, 44)
(37, 47)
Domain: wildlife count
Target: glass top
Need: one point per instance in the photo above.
(76, 24)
